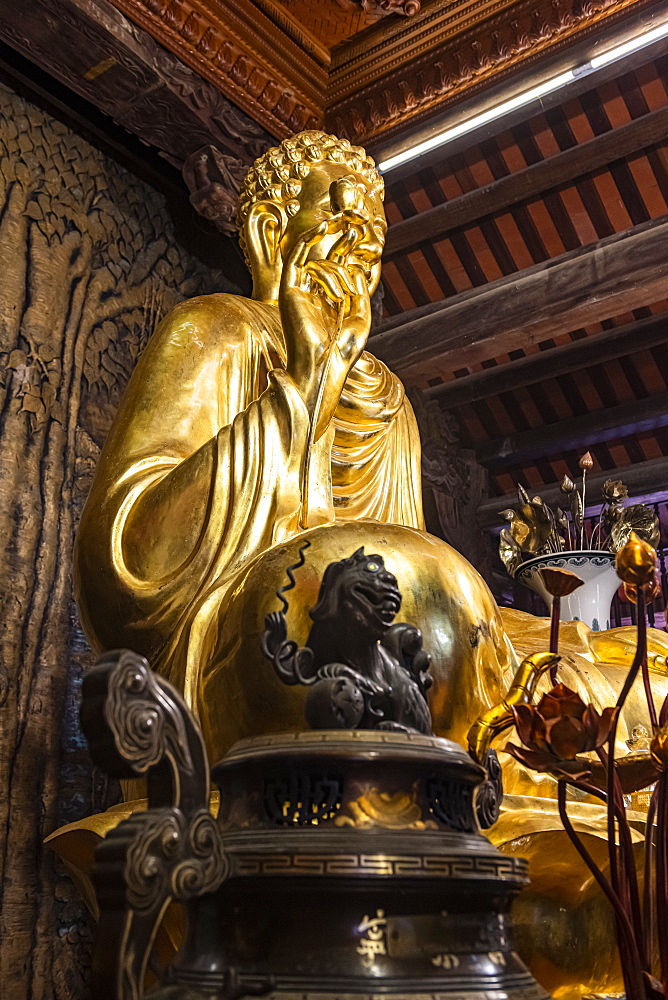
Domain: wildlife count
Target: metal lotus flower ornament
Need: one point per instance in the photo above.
(559, 728)
(536, 529)
(577, 745)
(622, 521)
(532, 527)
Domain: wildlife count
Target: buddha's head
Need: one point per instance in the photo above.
(293, 187)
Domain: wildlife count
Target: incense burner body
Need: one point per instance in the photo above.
(345, 862)
(355, 866)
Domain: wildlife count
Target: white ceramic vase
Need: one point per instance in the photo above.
(589, 603)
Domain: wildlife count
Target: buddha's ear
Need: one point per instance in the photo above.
(263, 231)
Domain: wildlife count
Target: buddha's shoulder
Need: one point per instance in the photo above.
(213, 316)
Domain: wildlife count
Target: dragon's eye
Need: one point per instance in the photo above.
(373, 567)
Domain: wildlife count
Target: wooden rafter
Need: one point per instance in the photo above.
(646, 479)
(596, 349)
(535, 180)
(546, 300)
(576, 432)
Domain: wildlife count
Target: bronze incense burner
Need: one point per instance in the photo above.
(341, 863)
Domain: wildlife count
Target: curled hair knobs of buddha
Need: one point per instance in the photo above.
(278, 174)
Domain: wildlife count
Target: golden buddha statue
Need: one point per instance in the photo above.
(250, 426)
(250, 422)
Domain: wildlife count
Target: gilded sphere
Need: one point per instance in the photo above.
(442, 594)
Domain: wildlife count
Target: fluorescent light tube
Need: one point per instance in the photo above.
(547, 87)
(472, 123)
(634, 43)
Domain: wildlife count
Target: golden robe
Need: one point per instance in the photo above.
(202, 471)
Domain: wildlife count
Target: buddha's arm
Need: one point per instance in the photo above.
(325, 333)
(231, 497)
(201, 472)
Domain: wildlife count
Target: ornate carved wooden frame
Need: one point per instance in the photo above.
(447, 51)
(256, 54)
(390, 76)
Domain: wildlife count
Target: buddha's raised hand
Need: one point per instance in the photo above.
(325, 311)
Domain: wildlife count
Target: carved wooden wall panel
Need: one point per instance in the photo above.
(89, 264)
(454, 484)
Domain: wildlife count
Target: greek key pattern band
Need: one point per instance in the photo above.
(532, 991)
(421, 866)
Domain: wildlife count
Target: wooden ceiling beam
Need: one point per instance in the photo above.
(384, 83)
(644, 480)
(594, 350)
(121, 70)
(258, 56)
(579, 432)
(535, 180)
(625, 271)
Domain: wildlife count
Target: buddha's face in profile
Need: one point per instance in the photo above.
(318, 202)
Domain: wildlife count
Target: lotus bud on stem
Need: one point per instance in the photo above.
(636, 562)
(586, 462)
(558, 583)
(567, 487)
(637, 567)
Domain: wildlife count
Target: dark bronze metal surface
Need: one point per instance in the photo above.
(342, 863)
(364, 672)
(138, 725)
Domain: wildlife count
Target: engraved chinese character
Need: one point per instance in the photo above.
(445, 961)
(374, 943)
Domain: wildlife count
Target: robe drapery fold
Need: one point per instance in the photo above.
(376, 450)
(202, 472)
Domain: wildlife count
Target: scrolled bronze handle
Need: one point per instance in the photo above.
(137, 725)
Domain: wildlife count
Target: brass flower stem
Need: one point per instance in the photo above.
(618, 806)
(622, 865)
(640, 919)
(660, 800)
(660, 901)
(612, 789)
(582, 522)
(612, 833)
(649, 882)
(648, 694)
(662, 878)
(631, 886)
(640, 655)
(554, 634)
(630, 959)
